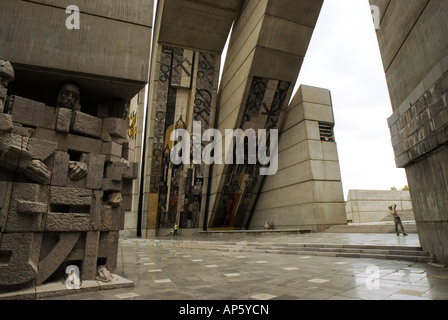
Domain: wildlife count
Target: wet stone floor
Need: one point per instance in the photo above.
(163, 270)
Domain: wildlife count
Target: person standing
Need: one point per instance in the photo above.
(397, 220)
(175, 229)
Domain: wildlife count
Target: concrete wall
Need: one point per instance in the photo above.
(307, 190)
(372, 205)
(414, 47)
(108, 55)
(269, 41)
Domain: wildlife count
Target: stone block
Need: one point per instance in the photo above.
(5, 195)
(86, 124)
(10, 140)
(70, 196)
(59, 176)
(114, 129)
(111, 185)
(15, 159)
(111, 218)
(108, 249)
(23, 196)
(6, 124)
(89, 263)
(32, 113)
(67, 222)
(22, 266)
(41, 149)
(115, 171)
(94, 178)
(132, 171)
(95, 209)
(69, 141)
(112, 148)
(63, 119)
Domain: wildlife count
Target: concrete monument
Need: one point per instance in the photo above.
(61, 186)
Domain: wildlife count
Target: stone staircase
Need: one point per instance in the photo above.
(382, 227)
(406, 253)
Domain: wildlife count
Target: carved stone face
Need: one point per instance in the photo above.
(68, 96)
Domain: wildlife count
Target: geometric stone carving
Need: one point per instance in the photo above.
(54, 186)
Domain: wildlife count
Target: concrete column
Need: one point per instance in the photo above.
(414, 47)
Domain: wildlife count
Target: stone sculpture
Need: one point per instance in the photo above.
(62, 180)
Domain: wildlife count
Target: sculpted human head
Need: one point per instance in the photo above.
(68, 96)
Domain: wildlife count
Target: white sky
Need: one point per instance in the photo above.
(344, 57)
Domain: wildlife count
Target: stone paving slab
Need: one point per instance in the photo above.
(199, 275)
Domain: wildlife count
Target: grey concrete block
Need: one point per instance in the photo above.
(86, 124)
(94, 178)
(59, 175)
(112, 148)
(21, 268)
(89, 263)
(111, 185)
(32, 113)
(18, 221)
(6, 124)
(67, 222)
(95, 209)
(70, 196)
(114, 129)
(69, 141)
(41, 149)
(63, 119)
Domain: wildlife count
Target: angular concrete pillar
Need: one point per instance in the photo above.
(307, 191)
(189, 37)
(414, 48)
(266, 50)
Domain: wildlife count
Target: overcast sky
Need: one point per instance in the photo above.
(344, 57)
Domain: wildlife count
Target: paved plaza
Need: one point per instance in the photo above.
(164, 269)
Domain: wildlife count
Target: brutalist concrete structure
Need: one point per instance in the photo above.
(267, 45)
(414, 48)
(66, 170)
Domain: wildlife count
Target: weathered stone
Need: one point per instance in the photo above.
(57, 255)
(114, 199)
(69, 141)
(22, 266)
(86, 124)
(63, 120)
(95, 209)
(114, 129)
(115, 171)
(15, 159)
(22, 197)
(89, 264)
(6, 124)
(67, 222)
(132, 171)
(38, 172)
(31, 207)
(112, 148)
(32, 113)
(94, 179)
(111, 185)
(59, 176)
(70, 196)
(41, 149)
(5, 196)
(108, 248)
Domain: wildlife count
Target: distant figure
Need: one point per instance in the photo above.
(397, 220)
(175, 229)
